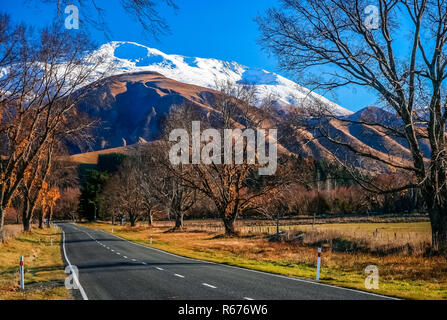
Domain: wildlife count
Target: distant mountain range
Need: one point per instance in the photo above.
(133, 57)
(131, 107)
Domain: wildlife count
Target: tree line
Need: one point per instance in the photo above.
(145, 183)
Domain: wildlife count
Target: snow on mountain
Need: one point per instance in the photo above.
(133, 57)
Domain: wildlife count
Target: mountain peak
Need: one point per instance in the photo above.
(205, 72)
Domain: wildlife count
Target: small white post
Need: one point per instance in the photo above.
(112, 230)
(22, 273)
(318, 264)
(51, 241)
(151, 240)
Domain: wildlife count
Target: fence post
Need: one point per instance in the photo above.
(318, 264)
(22, 273)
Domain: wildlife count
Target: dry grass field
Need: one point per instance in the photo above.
(11, 230)
(44, 268)
(347, 250)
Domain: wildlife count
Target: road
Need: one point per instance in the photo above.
(111, 268)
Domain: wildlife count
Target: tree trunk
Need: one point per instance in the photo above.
(229, 225)
(2, 222)
(26, 219)
(436, 201)
(438, 220)
(41, 219)
(150, 218)
(50, 217)
(26, 225)
(178, 220)
(132, 219)
(230, 214)
(277, 223)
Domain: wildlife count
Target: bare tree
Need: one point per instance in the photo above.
(232, 187)
(39, 92)
(67, 205)
(128, 192)
(160, 186)
(362, 52)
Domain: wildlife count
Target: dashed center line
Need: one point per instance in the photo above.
(209, 285)
(134, 260)
(125, 257)
(161, 269)
(246, 298)
(178, 275)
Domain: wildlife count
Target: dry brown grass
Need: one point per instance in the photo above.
(11, 230)
(44, 268)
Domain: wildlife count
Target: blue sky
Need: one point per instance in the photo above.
(221, 29)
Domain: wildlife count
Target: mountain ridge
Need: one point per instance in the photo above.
(131, 108)
(130, 57)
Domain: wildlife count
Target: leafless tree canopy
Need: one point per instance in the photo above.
(402, 60)
(42, 73)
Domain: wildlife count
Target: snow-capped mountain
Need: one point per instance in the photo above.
(133, 57)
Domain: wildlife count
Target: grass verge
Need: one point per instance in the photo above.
(44, 268)
(404, 276)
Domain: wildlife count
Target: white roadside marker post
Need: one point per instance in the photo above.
(112, 230)
(151, 240)
(51, 241)
(318, 264)
(22, 273)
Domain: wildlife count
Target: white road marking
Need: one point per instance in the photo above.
(125, 257)
(159, 268)
(134, 260)
(178, 275)
(75, 277)
(144, 263)
(255, 271)
(208, 285)
(118, 253)
(246, 298)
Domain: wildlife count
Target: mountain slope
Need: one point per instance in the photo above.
(133, 57)
(132, 106)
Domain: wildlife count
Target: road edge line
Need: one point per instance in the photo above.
(75, 277)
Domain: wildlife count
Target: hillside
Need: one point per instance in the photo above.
(131, 108)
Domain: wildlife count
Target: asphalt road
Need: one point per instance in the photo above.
(111, 268)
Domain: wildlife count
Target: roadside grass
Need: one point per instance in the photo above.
(401, 275)
(11, 230)
(44, 268)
